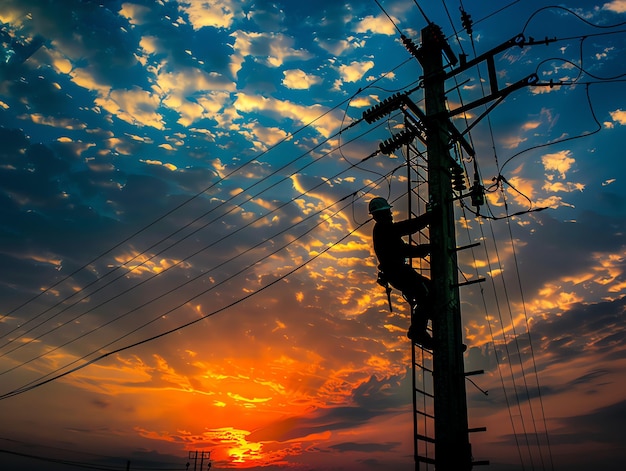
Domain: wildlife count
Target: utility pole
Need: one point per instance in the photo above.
(193, 455)
(436, 131)
(452, 447)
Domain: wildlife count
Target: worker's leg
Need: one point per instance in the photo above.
(416, 290)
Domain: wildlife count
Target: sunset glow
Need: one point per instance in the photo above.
(188, 272)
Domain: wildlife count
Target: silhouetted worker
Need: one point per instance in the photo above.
(392, 253)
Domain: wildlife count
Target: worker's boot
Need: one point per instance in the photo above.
(417, 331)
(421, 337)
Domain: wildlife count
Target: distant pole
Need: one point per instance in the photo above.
(452, 448)
(128, 465)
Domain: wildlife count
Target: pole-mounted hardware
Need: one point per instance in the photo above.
(385, 107)
(392, 144)
(466, 21)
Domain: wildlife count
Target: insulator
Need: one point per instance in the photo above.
(459, 184)
(466, 21)
(410, 46)
(395, 142)
(383, 108)
(477, 192)
(458, 178)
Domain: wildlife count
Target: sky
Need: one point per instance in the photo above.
(186, 255)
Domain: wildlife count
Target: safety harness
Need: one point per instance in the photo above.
(382, 281)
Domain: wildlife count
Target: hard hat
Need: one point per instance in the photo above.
(378, 204)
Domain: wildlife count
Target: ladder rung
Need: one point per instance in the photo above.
(425, 459)
(424, 438)
(474, 372)
(422, 367)
(424, 392)
(425, 414)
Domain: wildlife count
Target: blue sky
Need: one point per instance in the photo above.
(204, 164)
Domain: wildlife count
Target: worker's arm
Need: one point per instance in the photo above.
(411, 226)
(418, 251)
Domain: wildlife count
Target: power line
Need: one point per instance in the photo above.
(188, 281)
(288, 137)
(231, 172)
(163, 250)
(85, 464)
(160, 252)
(571, 12)
(36, 384)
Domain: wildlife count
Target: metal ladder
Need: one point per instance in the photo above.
(423, 408)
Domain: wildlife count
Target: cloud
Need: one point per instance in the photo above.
(618, 115)
(136, 14)
(560, 162)
(364, 447)
(355, 71)
(213, 14)
(274, 49)
(337, 47)
(283, 109)
(377, 24)
(189, 93)
(598, 431)
(134, 106)
(299, 80)
(617, 6)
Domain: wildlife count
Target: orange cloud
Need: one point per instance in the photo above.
(559, 162)
(618, 6)
(139, 263)
(618, 115)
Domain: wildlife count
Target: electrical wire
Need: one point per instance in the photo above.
(277, 171)
(562, 140)
(204, 273)
(571, 12)
(188, 281)
(256, 158)
(41, 382)
(154, 255)
(83, 464)
(500, 179)
(162, 217)
(530, 343)
(222, 179)
(463, 206)
(524, 375)
(136, 267)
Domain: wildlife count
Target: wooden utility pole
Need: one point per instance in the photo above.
(452, 447)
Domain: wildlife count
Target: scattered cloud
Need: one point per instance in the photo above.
(297, 79)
